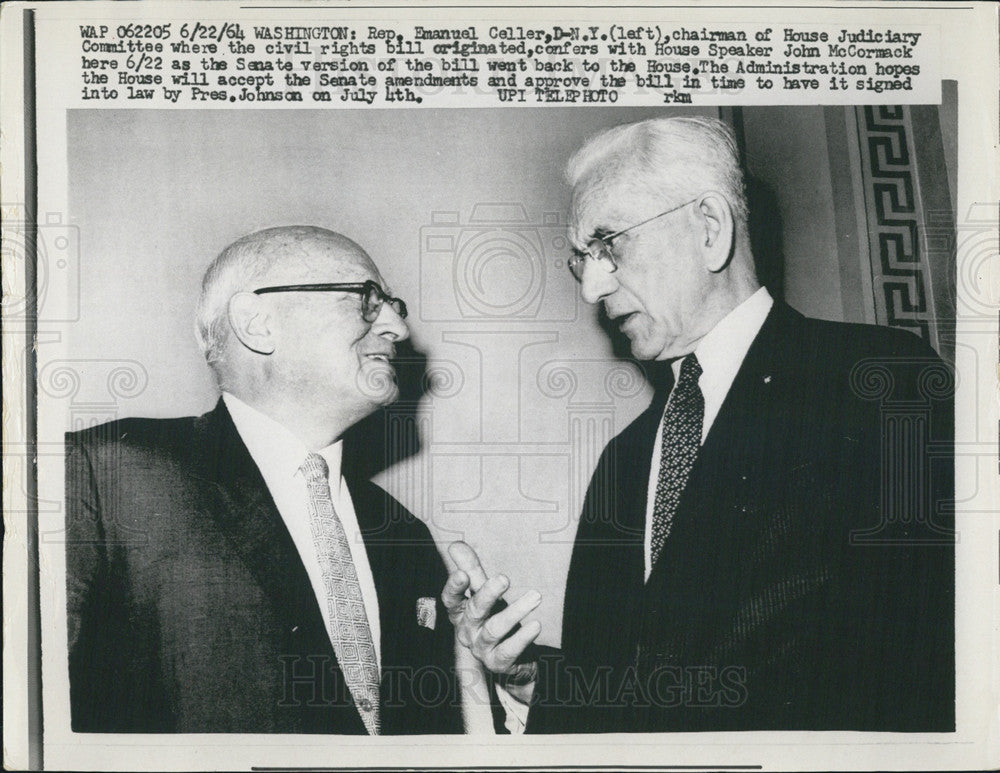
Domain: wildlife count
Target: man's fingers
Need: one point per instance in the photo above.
(482, 602)
(467, 560)
(453, 594)
(501, 623)
(507, 652)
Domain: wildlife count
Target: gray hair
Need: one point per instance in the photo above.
(238, 268)
(664, 157)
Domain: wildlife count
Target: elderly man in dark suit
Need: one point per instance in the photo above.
(223, 574)
(769, 545)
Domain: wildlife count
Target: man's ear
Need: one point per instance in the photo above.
(718, 231)
(251, 322)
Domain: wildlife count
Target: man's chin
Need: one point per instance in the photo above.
(640, 345)
(645, 349)
(390, 396)
(377, 380)
(641, 350)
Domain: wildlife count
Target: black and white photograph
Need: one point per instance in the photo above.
(608, 435)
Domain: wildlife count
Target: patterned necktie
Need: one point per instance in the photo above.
(682, 425)
(349, 629)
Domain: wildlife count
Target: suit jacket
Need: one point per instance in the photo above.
(808, 580)
(190, 610)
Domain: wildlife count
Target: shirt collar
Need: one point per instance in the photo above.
(722, 350)
(275, 449)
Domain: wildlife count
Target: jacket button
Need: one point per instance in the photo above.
(365, 704)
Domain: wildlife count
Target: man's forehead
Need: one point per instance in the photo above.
(346, 263)
(599, 206)
(326, 262)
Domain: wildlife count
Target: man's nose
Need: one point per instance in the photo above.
(390, 325)
(596, 284)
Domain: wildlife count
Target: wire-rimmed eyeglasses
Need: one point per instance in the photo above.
(599, 248)
(372, 296)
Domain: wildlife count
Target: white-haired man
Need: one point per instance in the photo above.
(760, 549)
(223, 574)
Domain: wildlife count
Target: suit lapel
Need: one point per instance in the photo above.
(729, 461)
(625, 477)
(377, 541)
(392, 558)
(604, 588)
(250, 520)
(245, 513)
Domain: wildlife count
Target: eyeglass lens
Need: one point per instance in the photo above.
(373, 300)
(596, 251)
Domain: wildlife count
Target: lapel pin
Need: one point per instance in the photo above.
(767, 379)
(426, 612)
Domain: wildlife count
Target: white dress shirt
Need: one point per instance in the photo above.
(278, 455)
(720, 354)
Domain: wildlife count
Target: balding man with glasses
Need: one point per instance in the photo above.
(769, 545)
(224, 573)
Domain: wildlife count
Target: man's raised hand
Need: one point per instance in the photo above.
(484, 626)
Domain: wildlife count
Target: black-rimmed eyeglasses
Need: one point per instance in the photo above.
(599, 248)
(372, 296)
